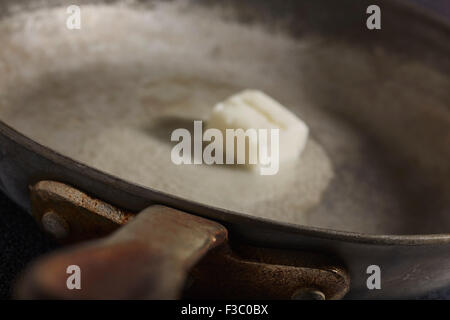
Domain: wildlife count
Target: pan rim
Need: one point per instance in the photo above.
(224, 215)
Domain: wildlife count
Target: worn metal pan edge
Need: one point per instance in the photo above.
(222, 215)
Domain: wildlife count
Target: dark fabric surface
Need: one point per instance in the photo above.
(21, 240)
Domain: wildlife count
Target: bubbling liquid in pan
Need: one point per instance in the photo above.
(111, 98)
(110, 95)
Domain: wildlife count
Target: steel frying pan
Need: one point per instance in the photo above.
(377, 103)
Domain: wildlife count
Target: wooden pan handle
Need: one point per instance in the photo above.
(148, 258)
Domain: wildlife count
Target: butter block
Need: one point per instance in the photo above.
(253, 109)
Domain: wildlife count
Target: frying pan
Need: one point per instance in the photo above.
(390, 86)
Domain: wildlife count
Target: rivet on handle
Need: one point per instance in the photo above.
(56, 225)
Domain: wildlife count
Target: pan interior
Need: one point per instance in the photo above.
(110, 95)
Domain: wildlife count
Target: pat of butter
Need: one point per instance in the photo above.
(253, 109)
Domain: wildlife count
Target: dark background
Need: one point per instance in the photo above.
(21, 240)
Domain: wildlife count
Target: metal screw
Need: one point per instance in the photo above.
(54, 224)
(308, 294)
